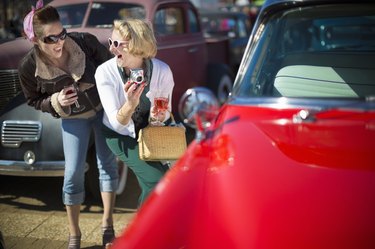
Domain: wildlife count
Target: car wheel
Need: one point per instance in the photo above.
(92, 176)
(220, 81)
(2, 243)
(123, 176)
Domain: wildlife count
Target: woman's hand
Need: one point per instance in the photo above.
(67, 96)
(157, 115)
(133, 92)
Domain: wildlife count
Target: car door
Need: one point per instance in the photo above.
(181, 45)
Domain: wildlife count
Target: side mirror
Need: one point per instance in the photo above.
(198, 107)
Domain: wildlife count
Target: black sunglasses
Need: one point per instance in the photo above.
(52, 39)
(115, 43)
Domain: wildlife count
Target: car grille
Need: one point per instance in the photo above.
(13, 133)
(9, 86)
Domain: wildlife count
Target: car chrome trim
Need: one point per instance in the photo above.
(318, 104)
(20, 168)
(14, 132)
(44, 168)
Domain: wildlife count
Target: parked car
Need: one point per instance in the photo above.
(2, 243)
(289, 160)
(232, 24)
(26, 145)
(249, 8)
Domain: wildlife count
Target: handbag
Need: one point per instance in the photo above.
(158, 143)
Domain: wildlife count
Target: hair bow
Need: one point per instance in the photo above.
(28, 21)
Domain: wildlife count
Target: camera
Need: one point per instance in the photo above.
(136, 75)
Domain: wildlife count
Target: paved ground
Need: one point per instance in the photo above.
(32, 215)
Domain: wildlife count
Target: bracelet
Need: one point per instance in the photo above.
(121, 118)
(120, 113)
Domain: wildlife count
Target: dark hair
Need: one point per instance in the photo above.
(43, 16)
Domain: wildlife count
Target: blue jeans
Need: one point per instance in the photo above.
(76, 136)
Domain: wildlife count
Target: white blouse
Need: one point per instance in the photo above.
(112, 95)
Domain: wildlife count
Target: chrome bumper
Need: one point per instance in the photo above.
(20, 168)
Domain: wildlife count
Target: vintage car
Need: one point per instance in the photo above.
(26, 146)
(2, 243)
(233, 24)
(289, 160)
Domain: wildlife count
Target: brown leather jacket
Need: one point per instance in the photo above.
(41, 82)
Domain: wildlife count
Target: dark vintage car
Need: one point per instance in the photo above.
(289, 160)
(31, 143)
(232, 24)
(2, 243)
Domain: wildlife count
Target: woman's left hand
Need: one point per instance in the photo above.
(157, 115)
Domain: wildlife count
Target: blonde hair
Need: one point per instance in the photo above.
(140, 35)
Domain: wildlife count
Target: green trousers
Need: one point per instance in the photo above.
(125, 148)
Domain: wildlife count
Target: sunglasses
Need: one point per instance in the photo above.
(115, 43)
(52, 39)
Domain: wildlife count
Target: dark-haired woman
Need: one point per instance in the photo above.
(57, 73)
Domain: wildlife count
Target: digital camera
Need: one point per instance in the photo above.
(136, 75)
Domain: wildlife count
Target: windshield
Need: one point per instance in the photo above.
(319, 52)
(101, 14)
(71, 16)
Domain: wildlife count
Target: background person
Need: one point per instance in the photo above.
(128, 106)
(53, 75)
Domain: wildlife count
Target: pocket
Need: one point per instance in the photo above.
(89, 100)
(54, 85)
(91, 95)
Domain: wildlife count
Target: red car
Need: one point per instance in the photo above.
(289, 160)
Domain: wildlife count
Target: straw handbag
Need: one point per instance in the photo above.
(158, 143)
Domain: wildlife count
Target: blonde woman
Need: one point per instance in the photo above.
(129, 106)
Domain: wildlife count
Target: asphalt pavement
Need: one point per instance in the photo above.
(32, 214)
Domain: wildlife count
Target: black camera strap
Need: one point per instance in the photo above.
(123, 74)
(148, 72)
(141, 114)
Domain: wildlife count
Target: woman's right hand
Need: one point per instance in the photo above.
(67, 96)
(133, 93)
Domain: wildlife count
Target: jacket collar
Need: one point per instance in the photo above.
(76, 64)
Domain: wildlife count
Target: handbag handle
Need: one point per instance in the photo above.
(173, 122)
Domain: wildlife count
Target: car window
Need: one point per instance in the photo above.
(221, 25)
(324, 51)
(71, 16)
(169, 21)
(242, 29)
(113, 11)
(218, 24)
(193, 22)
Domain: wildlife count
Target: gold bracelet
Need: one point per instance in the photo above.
(121, 118)
(120, 113)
